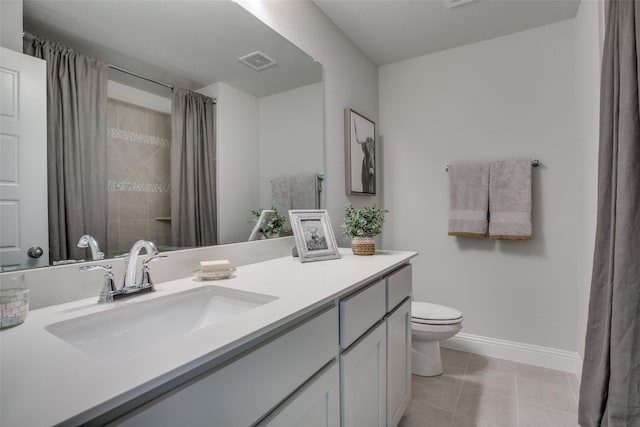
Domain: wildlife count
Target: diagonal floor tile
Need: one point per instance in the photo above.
(439, 392)
(495, 382)
(541, 374)
(487, 407)
(550, 395)
(537, 416)
(420, 415)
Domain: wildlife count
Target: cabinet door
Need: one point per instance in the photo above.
(363, 381)
(398, 362)
(244, 391)
(317, 404)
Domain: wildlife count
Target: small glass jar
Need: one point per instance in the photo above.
(14, 305)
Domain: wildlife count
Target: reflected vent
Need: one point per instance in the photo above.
(258, 60)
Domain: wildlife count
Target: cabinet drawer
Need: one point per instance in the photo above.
(242, 392)
(398, 287)
(360, 312)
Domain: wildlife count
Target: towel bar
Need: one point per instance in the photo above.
(535, 163)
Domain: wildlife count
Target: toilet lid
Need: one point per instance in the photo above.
(424, 312)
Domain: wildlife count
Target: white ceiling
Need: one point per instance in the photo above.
(394, 30)
(187, 43)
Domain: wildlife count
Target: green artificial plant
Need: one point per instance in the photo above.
(276, 224)
(363, 222)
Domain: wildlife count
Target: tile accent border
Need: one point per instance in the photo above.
(546, 357)
(126, 135)
(138, 186)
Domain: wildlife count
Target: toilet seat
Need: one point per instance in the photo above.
(434, 314)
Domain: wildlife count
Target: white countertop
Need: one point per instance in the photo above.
(46, 381)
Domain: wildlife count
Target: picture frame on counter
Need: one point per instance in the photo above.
(313, 234)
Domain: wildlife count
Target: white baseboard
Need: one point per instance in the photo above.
(579, 367)
(545, 357)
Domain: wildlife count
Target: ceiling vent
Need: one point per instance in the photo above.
(258, 60)
(456, 3)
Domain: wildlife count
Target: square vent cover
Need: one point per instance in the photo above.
(258, 60)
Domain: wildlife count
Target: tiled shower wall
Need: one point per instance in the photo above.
(138, 141)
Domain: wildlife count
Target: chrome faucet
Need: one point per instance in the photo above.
(132, 261)
(129, 286)
(90, 242)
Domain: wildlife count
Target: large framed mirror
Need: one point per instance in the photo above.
(268, 124)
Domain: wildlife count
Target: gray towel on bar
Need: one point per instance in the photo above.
(281, 194)
(468, 199)
(510, 200)
(304, 190)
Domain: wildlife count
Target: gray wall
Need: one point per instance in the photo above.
(588, 44)
(350, 81)
(509, 97)
(11, 24)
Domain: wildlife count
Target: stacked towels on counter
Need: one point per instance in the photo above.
(500, 190)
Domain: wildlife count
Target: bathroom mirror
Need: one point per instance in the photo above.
(268, 123)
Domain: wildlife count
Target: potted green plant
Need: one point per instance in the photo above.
(275, 225)
(361, 225)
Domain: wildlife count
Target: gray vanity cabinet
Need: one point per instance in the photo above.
(375, 363)
(243, 391)
(348, 364)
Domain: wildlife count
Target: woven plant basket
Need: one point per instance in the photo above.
(363, 245)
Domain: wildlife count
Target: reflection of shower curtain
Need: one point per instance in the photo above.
(193, 186)
(76, 146)
(610, 388)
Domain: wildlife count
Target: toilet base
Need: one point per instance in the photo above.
(425, 358)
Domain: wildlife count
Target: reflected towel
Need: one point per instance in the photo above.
(281, 193)
(304, 191)
(510, 200)
(468, 199)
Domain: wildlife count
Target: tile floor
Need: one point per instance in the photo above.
(482, 391)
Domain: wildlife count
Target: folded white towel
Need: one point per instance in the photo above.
(468, 199)
(510, 200)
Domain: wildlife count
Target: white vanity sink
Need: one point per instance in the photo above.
(126, 329)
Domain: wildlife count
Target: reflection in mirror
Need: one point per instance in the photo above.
(268, 122)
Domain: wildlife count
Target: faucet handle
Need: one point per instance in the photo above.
(109, 287)
(146, 278)
(153, 259)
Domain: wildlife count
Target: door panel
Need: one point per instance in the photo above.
(23, 160)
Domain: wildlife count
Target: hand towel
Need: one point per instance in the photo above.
(281, 194)
(468, 199)
(304, 190)
(510, 200)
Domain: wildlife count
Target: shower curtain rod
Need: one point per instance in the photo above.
(535, 163)
(140, 76)
(131, 73)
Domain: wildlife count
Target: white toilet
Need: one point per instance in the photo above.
(430, 324)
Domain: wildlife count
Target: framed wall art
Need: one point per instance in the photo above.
(314, 237)
(360, 153)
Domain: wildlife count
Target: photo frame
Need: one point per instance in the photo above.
(360, 153)
(314, 236)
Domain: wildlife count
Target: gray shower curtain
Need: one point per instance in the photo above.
(193, 173)
(610, 388)
(76, 146)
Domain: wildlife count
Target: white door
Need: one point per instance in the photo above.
(23, 161)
